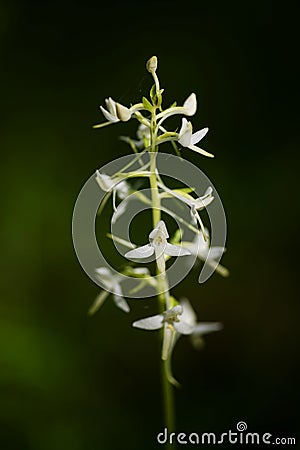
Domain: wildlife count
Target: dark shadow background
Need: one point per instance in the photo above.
(72, 382)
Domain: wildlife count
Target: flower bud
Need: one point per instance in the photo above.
(190, 105)
(152, 64)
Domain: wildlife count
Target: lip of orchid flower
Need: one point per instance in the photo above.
(159, 246)
(188, 139)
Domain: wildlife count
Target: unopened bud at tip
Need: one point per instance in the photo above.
(152, 64)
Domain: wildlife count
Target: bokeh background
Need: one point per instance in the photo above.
(68, 381)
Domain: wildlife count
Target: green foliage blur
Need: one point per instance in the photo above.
(71, 382)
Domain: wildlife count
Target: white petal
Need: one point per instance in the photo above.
(207, 327)
(196, 137)
(123, 113)
(150, 323)
(215, 252)
(141, 252)
(122, 189)
(104, 271)
(185, 133)
(119, 211)
(188, 315)
(121, 303)
(104, 181)
(159, 231)
(203, 202)
(117, 288)
(162, 226)
(175, 250)
(184, 125)
(183, 327)
(140, 270)
(111, 106)
(108, 116)
(201, 151)
(190, 105)
(105, 276)
(143, 132)
(208, 191)
(200, 246)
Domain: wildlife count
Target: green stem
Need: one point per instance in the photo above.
(168, 402)
(163, 296)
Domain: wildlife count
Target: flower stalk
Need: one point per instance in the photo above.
(163, 290)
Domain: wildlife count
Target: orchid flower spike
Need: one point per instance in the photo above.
(159, 246)
(112, 284)
(188, 139)
(171, 322)
(201, 248)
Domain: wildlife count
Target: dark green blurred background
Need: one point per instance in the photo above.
(72, 382)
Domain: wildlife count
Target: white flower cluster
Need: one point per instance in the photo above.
(177, 317)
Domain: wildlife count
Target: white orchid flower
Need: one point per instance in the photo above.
(112, 284)
(189, 318)
(196, 204)
(143, 137)
(201, 248)
(116, 112)
(171, 322)
(143, 132)
(188, 139)
(107, 184)
(118, 188)
(188, 109)
(159, 246)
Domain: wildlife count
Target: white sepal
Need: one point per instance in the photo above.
(150, 323)
(140, 252)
